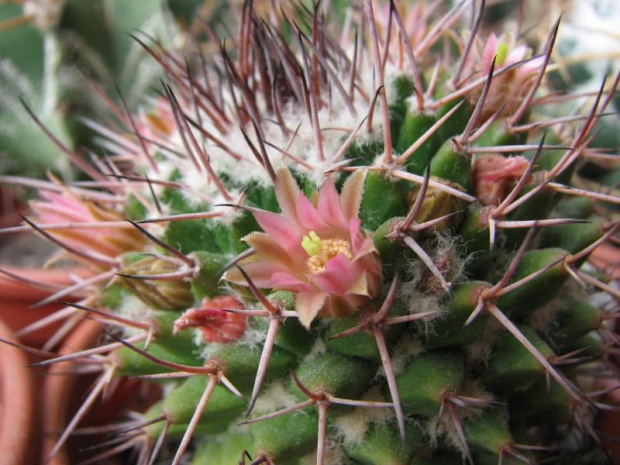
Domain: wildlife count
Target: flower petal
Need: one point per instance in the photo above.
(260, 273)
(360, 287)
(517, 54)
(351, 196)
(287, 193)
(283, 280)
(270, 250)
(279, 229)
(337, 277)
(365, 247)
(354, 234)
(489, 52)
(308, 217)
(308, 305)
(329, 205)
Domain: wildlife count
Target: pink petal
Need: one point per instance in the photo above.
(531, 66)
(260, 273)
(308, 305)
(282, 231)
(308, 216)
(354, 234)
(55, 212)
(359, 287)
(351, 196)
(489, 52)
(66, 202)
(283, 280)
(516, 55)
(271, 251)
(366, 247)
(287, 193)
(329, 205)
(337, 277)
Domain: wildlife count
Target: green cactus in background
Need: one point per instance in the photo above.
(358, 241)
(58, 57)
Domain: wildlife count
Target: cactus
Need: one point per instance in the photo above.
(357, 244)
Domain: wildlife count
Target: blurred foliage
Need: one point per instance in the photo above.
(49, 70)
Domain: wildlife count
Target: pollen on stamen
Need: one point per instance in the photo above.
(330, 248)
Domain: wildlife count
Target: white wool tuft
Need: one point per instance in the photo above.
(274, 397)
(133, 308)
(253, 337)
(352, 426)
(334, 455)
(481, 349)
(405, 349)
(318, 348)
(230, 214)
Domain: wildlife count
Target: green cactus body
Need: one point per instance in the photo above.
(511, 367)
(427, 379)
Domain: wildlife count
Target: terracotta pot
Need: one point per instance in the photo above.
(16, 404)
(10, 207)
(17, 299)
(63, 395)
(607, 258)
(61, 391)
(608, 421)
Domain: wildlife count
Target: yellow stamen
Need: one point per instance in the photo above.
(312, 243)
(329, 249)
(501, 54)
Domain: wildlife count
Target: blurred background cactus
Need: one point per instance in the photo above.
(330, 234)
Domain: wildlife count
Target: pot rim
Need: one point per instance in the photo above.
(16, 402)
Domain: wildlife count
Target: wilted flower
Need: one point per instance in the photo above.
(315, 249)
(107, 234)
(493, 175)
(212, 319)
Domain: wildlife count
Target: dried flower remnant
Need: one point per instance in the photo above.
(494, 174)
(316, 250)
(212, 319)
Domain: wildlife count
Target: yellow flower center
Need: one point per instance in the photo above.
(501, 54)
(321, 251)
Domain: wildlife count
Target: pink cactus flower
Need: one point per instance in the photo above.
(413, 18)
(107, 242)
(493, 175)
(216, 324)
(509, 87)
(159, 122)
(315, 249)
